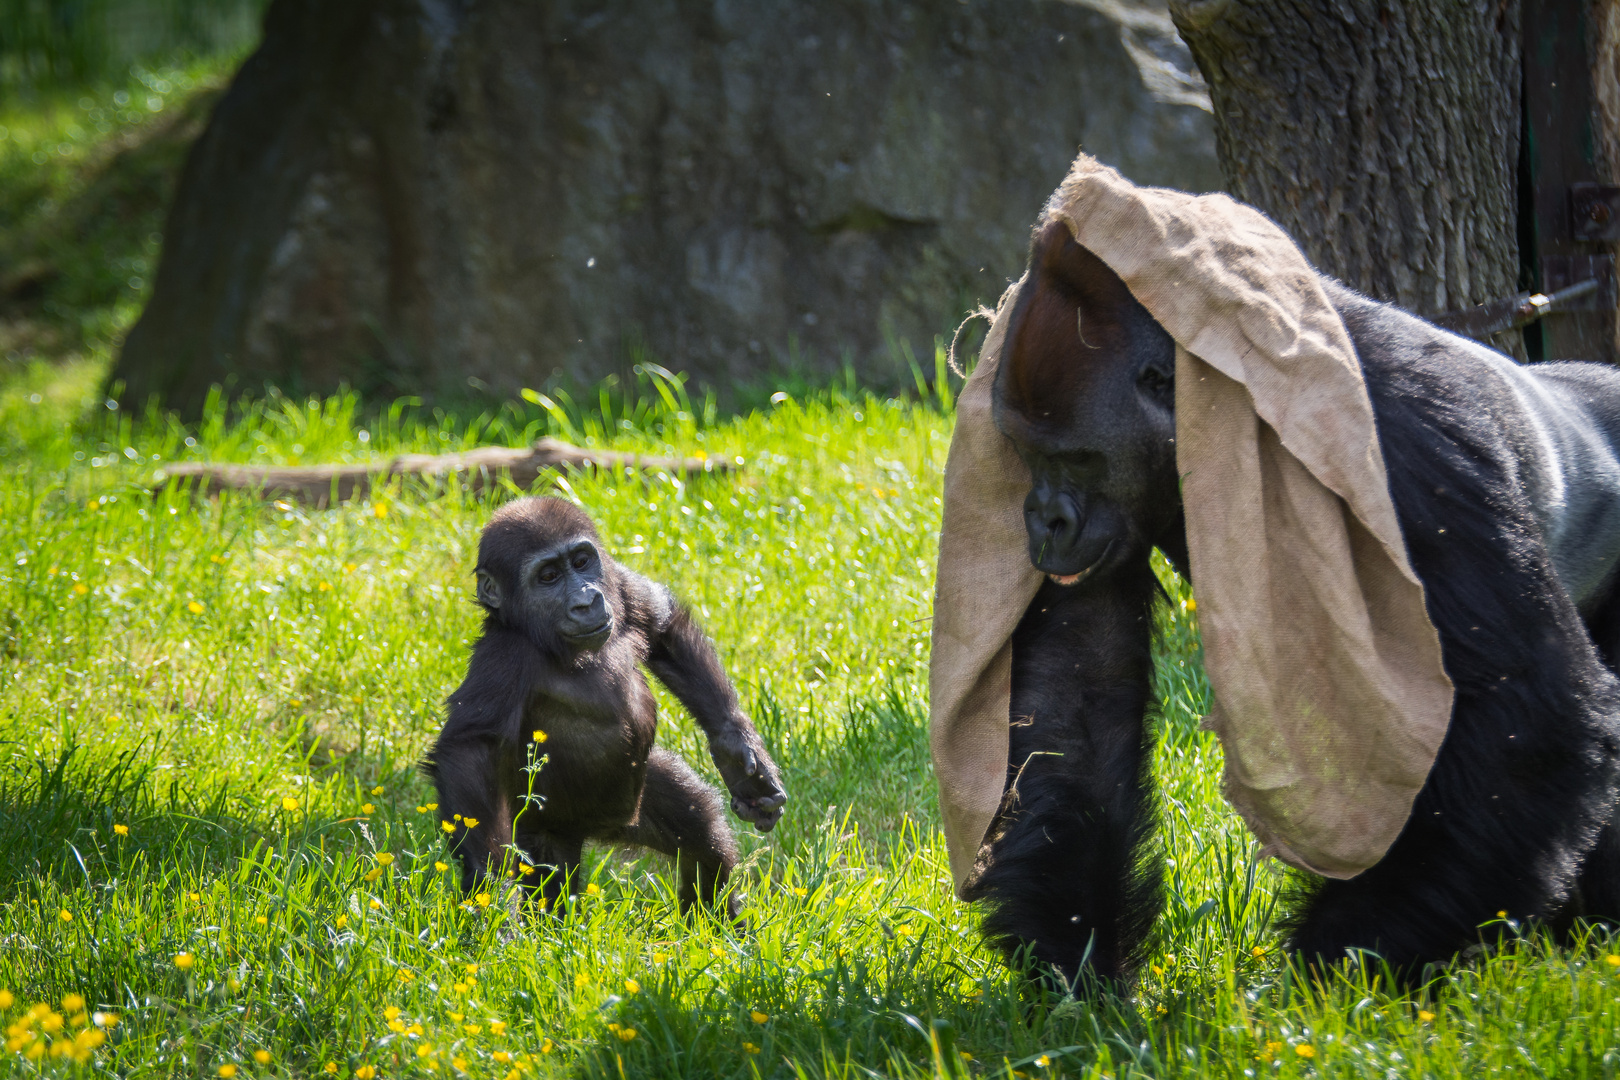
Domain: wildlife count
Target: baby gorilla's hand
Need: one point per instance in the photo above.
(750, 776)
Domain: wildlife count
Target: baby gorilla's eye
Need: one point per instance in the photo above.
(548, 576)
(581, 561)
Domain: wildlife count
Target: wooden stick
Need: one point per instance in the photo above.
(321, 485)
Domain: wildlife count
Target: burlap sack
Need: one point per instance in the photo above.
(1330, 698)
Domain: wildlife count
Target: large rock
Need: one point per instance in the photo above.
(411, 195)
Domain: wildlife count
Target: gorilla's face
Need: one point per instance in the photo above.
(1086, 392)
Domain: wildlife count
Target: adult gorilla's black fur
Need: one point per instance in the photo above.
(1507, 487)
(565, 632)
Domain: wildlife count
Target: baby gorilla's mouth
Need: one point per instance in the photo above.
(1077, 578)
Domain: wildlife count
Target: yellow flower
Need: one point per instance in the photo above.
(1612, 960)
(80, 587)
(581, 981)
(1501, 914)
(216, 559)
(471, 1029)
(184, 960)
(396, 1026)
(593, 889)
(289, 803)
(378, 790)
(1305, 1050)
(341, 921)
(500, 1055)
(6, 999)
(482, 899)
(447, 826)
(367, 808)
(121, 830)
(380, 509)
(325, 586)
(72, 1003)
(660, 957)
(262, 1056)
(374, 904)
(799, 892)
(421, 809)
(233, 983)
(441, 867)
(1425, 1015)
(1157, 970)
(385, 859)
(65, 915)
(626, 1034)
(194, 897)
(526, 870)
(1044, 1062)
(348, 568)
(195, 608)
(373, 874)
(716, 951)
(472, 969)
(540, 736)
(391, 1013)
(470, 822)
(227, 1071)
(497, 1027)
(366, 1072)
(330, 1066)
(758, 1017)
(432, 806)
(631, 986)
(1257, 952)
(262, 920)
(459, 1063)
(406, 974)
(455, 1017)
(750, 1048)
(965, 1055)
(100, 1019)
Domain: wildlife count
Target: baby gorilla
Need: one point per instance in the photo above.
(557, 670)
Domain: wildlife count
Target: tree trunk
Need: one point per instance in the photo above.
(1383, 134)
(1424, 151)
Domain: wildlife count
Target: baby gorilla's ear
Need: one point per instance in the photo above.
(489, 590)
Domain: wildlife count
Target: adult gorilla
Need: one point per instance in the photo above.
(1506, 483)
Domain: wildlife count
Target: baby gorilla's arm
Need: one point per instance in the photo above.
(683, 659)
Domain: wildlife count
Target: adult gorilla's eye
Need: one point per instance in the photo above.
(548, 575)
(582, 560)
(1158, 382)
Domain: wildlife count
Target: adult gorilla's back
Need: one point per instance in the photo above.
(1506, 480)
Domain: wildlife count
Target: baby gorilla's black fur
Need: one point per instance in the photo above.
(566, 630)
(1507, 485)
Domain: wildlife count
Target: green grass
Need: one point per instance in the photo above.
(86, 175)
(247, 688)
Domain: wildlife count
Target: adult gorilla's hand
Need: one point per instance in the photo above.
(750, 775)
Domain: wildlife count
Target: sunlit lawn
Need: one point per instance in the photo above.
(246, 689)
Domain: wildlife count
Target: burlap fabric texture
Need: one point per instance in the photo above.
(1330, 698)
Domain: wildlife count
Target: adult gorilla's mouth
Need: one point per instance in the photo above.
(1077, 578)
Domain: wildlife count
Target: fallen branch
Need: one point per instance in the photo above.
(321, 485)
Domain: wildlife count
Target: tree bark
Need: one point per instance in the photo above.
(1383, 134)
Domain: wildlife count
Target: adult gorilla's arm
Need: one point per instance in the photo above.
(1066, 867)
(684, 660)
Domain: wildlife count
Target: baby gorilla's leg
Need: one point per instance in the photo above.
(553, 864)
(683, 817)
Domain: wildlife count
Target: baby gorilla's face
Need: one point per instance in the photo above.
(555, 596)
(562, 594)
